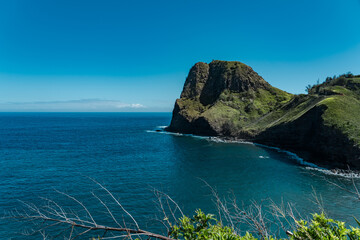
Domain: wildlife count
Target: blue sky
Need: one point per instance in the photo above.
(135, 55)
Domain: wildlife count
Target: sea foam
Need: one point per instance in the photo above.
(291, 155)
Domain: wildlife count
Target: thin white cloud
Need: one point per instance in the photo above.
(81, 105)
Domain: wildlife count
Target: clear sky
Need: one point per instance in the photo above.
(122, 55)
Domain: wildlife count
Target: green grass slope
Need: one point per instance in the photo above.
(235, 113)
(343, 108)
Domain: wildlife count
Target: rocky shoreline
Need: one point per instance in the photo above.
(347, 173)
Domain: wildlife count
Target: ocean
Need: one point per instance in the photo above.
(43, 153)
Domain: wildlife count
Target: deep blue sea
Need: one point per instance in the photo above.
(44, 152)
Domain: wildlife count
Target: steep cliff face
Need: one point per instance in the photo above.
(224, 98)
(230, 99)
(314, 140)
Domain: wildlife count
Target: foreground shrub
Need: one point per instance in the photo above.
(325, 228)
(204, 226)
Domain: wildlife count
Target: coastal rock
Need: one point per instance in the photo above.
(229, 99)
(218, 98)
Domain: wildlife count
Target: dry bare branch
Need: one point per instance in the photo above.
(117, 202)
(51, 214)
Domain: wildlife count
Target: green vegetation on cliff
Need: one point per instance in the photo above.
(343, 108)
(230, 99)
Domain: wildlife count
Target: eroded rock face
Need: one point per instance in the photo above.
(205, 105)
(233, 76)
(230, 99)
(195, 81)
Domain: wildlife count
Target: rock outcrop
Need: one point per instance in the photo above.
(230, 99)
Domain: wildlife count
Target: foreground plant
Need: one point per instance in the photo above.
(204, 226)
(325, 228)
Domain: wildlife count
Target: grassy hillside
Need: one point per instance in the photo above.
(343, 108)
(322, 126)
(340, 97)
(235, 110)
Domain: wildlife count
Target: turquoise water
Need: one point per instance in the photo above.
(40, 152)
